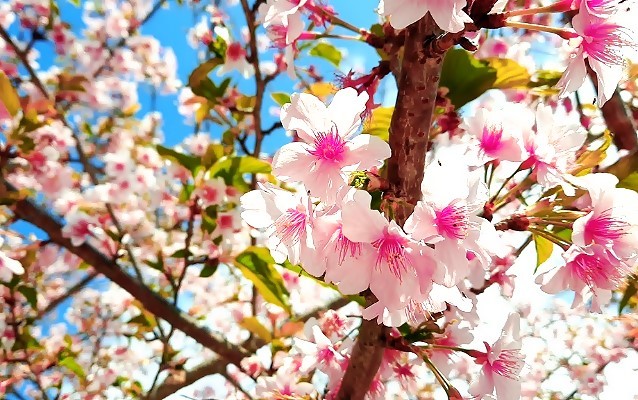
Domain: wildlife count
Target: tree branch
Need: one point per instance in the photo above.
(618, 119)
(409, 133)
(175, 382)
(29, 212)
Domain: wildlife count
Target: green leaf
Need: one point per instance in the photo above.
(252, 324)
(630, 182)
(30, 294)
(630, 291)
(280, 98)
(544, 249)
(246, 103)
(509, 73)
(327, 52)
(73, 366)
(187, 161)
(379, 124)
(257, 265)
(232, 169)
(8, 95)
(465, 76)
(592, 158)
(200, 73)
(209, 268)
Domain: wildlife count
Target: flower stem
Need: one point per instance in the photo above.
(563, 33)
(561, 6)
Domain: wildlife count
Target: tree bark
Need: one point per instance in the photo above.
(418, 83)
(618, 119)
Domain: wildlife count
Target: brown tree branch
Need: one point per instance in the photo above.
(29, 212)
(175, 382)
(418, 83)
(618, 119)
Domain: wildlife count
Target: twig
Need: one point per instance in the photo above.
(29, 212)
(72, 291)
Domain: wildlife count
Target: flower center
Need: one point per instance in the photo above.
(604, 228)
(291, 225)
(508, 364)
(453, 221)
(235, 51)
(346, 247)
(329, 147)
(391, 250)
(596, 271)
(607, 42)
(491, 139)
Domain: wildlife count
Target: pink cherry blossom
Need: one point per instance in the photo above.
(80, 227)
(591, 271)
(235, 56)
(612, 221)
(9, 263)
(286, 217)
(284, 384)
(501, 364)
(448, 14)
(447, 217)
(320, 353)
(328, 152)
(344, 262)
(552, 147)
(403, 268)
(605, 44)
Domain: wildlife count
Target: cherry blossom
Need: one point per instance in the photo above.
(448, 14)
(235, 56)
(496, 137)
(551, 148)
(447, 217)
(603, 42)
(328, 152)
(501, 364)
(286, 217)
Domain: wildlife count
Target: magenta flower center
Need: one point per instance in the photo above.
(277, 35)
(291, 225)
(329, 147)
(596, 271)
(606, 43)
(453, 221)
(235, 52)
(346, 247)
(391, 250)
(491, 139)
(508, 364)
(604, 228)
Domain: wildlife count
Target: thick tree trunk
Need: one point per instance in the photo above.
(418, 81)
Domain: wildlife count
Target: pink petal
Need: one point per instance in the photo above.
(367, 151)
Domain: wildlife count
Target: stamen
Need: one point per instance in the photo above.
(290, 225)
(391, 250)
(329, 147)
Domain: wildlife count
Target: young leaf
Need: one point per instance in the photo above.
(187, 161)
(465, 76)
(379, 124)
(72, 365)
(8, 96)
(253, 325)
(257, 265)
(280, 98)
(327, 52)
(630, 291)
(544, 249)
